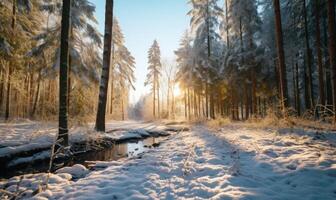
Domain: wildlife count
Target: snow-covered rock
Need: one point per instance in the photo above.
(76, 171)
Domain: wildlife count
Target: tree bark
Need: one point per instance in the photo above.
(328, 84)
(189, 113)
(319, 52)
(37, 94)
(185, 105)
(154, 92)
(100, 119)
(2, 82)
(158, 95)
(227, 22)
(8, 92)
(63, 77)
(310, 88)
(332, 48)
(122, 104)
(168, 95)
(281, 56)
(294, 85)
(206, 99)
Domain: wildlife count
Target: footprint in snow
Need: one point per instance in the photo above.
(291, 167)
(270, 153)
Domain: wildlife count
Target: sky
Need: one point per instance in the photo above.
(143, 21)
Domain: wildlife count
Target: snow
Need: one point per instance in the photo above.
(38, 156)
(28, 184)
(233, 162)
(25, 136)
(76, 171)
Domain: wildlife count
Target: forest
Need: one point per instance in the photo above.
(167, 99)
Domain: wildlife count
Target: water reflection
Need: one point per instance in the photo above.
(117, 151)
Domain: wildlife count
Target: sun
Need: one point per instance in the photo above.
(177, 90)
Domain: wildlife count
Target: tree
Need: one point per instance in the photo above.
(82, 28)
(332, 48)
(246, 27)
(63, 78)
(319, 52)
(25, 6)
(169, 69)
(100, 119)
(281, 55)
(204, 22)
(310, 93)
(154, 72)
(188, 73)
(123, 65)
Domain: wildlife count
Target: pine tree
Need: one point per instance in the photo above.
(204, 22)
(153, 76)
(123, 65)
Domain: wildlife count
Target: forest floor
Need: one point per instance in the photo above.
(233, 161)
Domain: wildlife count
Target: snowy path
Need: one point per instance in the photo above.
(233, 163)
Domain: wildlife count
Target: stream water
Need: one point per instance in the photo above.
(114, 152)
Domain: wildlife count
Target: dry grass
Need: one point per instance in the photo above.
(272, 120)
(218, 122)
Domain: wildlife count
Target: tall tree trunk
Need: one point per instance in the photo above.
(112, 80)
(63, 76)
(154, 92)
(209, 58)
(328, 90)
(2, 82)
(10, 67)
(112, 94)
(310, 88)
(173, 104)
(319, 52)
(185, 105)
(207, 99)
(277, 78)
(158, 95)
(281, 56)
(9, 74)
(189, 113)
(70, 66)
(37, 94)
(254, 92)
(227, 22)
(28, 96)
(246, 102)
(306, 85)
(332, 48)
(100, 119)
(168, 96)
(122, 104)
(294, 85)
(199, 105)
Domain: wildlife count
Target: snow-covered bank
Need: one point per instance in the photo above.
(233, 162)
(26, 146)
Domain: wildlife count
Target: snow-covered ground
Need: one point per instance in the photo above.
(30, 135)
(233, 162)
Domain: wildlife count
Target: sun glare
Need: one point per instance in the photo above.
(177, 90)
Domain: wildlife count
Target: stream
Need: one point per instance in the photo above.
(131, 148)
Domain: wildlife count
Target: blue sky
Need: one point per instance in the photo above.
(142, 21)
